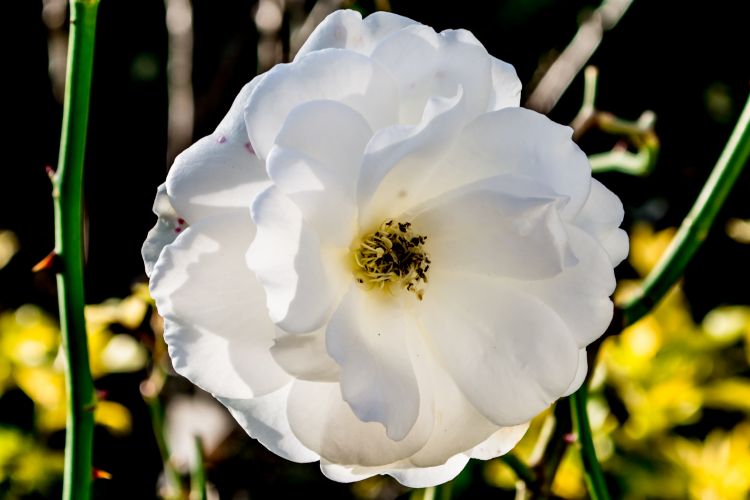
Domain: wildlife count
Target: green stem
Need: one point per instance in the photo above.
(592, 470)
(198, 476)
(697, 224)
(68, 204)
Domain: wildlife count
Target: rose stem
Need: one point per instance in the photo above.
(592, 470)
(693, 231)
(68, 205)
(696, 226)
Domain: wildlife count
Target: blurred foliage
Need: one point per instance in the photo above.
(31, 362)
(670, 402)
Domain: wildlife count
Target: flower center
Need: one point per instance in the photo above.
(392, 255)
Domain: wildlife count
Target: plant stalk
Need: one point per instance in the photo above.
(68, 206)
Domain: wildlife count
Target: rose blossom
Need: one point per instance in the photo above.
(378, 260)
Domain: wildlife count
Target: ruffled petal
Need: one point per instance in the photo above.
(336, 74)
(326, 424)
(500, 443)
(345, 29)
(580, 294)
(503, 226)
(265, 419)
(317, 170)
(403, 472)
(367, 336)
(219, 173)
(305, 356)
(412, 56)
(168, 226)
(287, 258)
(400, 159)
(213, 307)
(519, 142)
(601, 217)
(506, 87)
(581, 371)
(509, 353)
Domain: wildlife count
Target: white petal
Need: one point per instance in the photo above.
(458, 425)
(213, 307)
(505, 226)
(265, 419)
(509, 353)
(325, 423)
(367, 338)
(403, 472)
(345, 29)
(305, 356)
(286, 257)
(601, 217)
(335, 74)
(424, 477)
(412, 56)
(520, 142)
(220, 172)
(317, 170)
(168, 227)
(400, 159)
(580, 294)
(500, 443)
(583, 368)
(464, 63)
(506, 87)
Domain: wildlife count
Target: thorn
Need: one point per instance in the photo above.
(100, 474)
(50, 172)
(101, 394)
(50, 263)
(89, 407)
(570, 438)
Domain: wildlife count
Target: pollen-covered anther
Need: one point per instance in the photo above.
(393, 255)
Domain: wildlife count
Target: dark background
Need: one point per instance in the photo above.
(676, 58)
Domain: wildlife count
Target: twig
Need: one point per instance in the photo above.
(575, 56)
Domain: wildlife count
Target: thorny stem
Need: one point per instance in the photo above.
(592, 470)
(68, 205)
(198, 474)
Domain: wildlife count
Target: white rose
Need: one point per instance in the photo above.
(379, 260)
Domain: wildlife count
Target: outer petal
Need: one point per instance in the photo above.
(580, 294)
(346, 29)
(403, 472)
(215, 319)
(601, 217)
(325, 423)
(583, 368)
(335, 74)
(500, 443)
(264, 418)
(367, 338)
(168, 227)
(504, 226)
(488, 335)
(506, 87)
(220, 172)
(286, 257)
